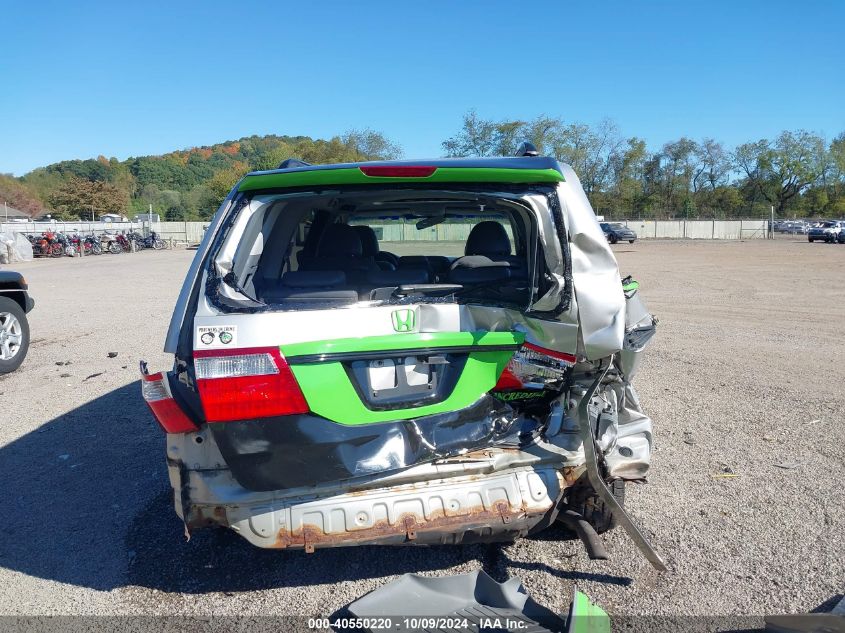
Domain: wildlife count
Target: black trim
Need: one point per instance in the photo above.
(307, 359)
(305, 450)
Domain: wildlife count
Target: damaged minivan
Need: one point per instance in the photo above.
(399, 352)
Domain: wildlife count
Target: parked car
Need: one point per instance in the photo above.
(15, 303)
(826, 231)
(616, 232)
(329, 389)
(794, 227)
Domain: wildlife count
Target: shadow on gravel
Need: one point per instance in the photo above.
(69, 488)
(87, 502)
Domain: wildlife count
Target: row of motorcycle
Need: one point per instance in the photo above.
(54, 244)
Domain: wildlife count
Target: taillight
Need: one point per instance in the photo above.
(244, 384)
(398, 171)
(155, 389)
(534, 367)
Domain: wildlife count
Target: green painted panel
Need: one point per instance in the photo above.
(354, 176)
(330, 394)
(403, 341)
(585, 617)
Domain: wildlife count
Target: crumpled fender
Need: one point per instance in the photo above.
(595, 274)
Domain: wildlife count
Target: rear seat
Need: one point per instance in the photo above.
(307, 286)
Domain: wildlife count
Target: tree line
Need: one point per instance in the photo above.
(798, 172)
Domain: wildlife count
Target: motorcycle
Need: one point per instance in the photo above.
(123, 243)
(154, 241)
(67, 246)
(88, 246)
(46, 245)
(110, 243)
(94, 244)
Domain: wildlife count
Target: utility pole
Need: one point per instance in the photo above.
(772, 225)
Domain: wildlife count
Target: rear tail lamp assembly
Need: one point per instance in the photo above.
(534, 367)
(245, 384)
(155, 389)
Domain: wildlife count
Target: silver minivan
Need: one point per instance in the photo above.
(406, 352)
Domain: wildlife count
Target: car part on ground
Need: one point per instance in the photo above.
(15, 302)
(326, 392)
(469, 602)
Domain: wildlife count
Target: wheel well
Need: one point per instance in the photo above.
(17, 297)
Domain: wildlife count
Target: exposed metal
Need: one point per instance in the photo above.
(597, 481)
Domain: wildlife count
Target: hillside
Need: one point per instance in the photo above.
(184, 184)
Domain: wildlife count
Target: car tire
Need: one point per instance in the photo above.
(613, 239)
(630, 241)
(9, 308)
(584, 500)
(810, 240)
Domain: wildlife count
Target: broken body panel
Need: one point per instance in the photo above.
(409, 431)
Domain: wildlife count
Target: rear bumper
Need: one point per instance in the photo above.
(498, 494)
(491, 494)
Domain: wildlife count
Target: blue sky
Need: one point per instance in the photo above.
(127, 79)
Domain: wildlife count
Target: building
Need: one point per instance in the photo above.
(10, 214)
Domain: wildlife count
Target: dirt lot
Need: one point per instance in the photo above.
(746, 375)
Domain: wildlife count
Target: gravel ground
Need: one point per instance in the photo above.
(746, 375)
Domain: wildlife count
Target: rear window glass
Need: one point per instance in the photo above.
(339, 248)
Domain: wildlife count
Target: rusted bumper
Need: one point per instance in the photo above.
(492, 495)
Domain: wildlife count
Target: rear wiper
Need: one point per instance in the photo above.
(437, 290)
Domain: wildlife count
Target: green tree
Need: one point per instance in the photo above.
(368, 144)
(781, 170)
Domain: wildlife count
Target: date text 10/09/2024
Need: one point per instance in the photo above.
(414, 623)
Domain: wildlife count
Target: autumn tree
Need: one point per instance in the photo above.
(82, 198)
(19, 196)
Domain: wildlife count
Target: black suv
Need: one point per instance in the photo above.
(15, 302)
(616, 232)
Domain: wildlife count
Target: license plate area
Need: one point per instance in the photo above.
(406, 380)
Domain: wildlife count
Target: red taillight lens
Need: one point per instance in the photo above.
(244, 384)
(156, 392)
(397, 171)
(534, 367)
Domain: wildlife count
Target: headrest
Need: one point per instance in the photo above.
(369, 240)
(488, 238)
(339, 240)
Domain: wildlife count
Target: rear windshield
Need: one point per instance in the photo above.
(295, 251)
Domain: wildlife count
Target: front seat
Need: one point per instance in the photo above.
(369, 244)
(487, 256)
